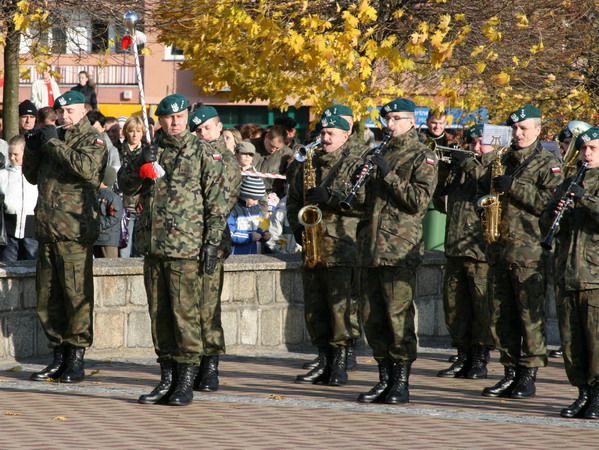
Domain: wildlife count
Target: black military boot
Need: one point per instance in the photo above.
(160, 392)
(378, 393)
(55, 369)
(74, 372)
(183, 393)
(578, 408)
(352, 362)
(320, 373)
(339, 367)
(592, 411)
(310, 364)
(461, 366)
(559, 353)
(478, 368)
(503, 386)
(525, 383)
(207, 377)
(400, 376)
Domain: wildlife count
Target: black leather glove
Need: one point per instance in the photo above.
(576, 191)
(380, 161)
(49, 132)
(458, 158)
(317, 195)
(149, 153)
(297, 234)
(502, 183)
(34, 139)
(208, 256)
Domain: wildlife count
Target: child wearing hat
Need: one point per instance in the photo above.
(109, 219)
(249, 227)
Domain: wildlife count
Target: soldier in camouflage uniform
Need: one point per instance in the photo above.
(390, 247)
(68, 173)
(577, 278)
(517, 263)
(330, 288)
(184, 198)
(208, 127)
(465, 303)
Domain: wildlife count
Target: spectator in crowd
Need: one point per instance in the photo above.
(232, 138)
(44, 91)
(47, 116)
(249, 227)
(109, 220)
(20, 198)
(273, 156)
(88, 88)
(98, 121)
(113, 130)
(281, 240)
(27, 116)
(251, 131)
(289, 124)
(244, 152)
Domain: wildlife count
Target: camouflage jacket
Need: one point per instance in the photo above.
(463, 230)
(577, 239)
(68, 176)
(537, 173)
(338, 237)
(390, 231)
(185, 208)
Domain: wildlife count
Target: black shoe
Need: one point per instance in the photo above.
(525, 383)
(339, 367)
(183, 393)
(400, 376)
(74, 372)
(452, 358)
(352, 362)
(320, 373)
(578, 408)
(160, 392)
(378, 393)
(310, 364)
(504, 386)
(478, 368)
(592, 411)
(207, 377)
(55, 369)
(461, 366)
(559, 353)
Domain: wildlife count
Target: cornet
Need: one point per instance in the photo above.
(301, 153)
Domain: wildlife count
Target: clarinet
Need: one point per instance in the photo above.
(567, 199)
(369, 166)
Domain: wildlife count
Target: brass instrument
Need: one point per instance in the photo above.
(443, 152)
(301, 153)
(570, 157)
(310, 215)
(491, 203)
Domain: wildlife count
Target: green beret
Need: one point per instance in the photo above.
(337, 110)
(334, 121)
(526, 112)
(172, 104)
(474, 132)
(589, 135)
(401, 104)
(200, 116)
(564, 134)
(69, 98)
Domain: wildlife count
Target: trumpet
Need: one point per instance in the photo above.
(301, 153)
(443, 152)
(576, 127)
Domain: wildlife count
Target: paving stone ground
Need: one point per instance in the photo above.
(259, 406)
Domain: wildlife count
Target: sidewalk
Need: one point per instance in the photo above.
(258, 406)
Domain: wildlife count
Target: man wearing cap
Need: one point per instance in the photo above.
(183, 193)
(68, 173)
(517, 263)
(390, 248)
(330, 287)
(208, 127)
(465, 282)
(273, 156)
(577, 277)
(27, 116)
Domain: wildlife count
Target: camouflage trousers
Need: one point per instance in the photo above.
(578, 315)
(213, 337)
(65, 293)
(465, 302)
(331, 305)
(517, 296)
(173, 287)
(388, 312)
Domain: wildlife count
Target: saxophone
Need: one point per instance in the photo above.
(310, 216)
(491, 203)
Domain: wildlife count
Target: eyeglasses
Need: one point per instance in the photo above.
(398, 118)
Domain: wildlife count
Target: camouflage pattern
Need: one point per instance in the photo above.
(390, 246)
(173, 287)
(276, 162)
(172, 223)
(65, 292)
(331, 300)
(68, 175)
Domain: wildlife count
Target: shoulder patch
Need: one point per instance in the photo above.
(430, 161)
(100, 141)
(555, 170)
(217, 156)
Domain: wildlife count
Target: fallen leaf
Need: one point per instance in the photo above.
(11, 413)
(59, 418)
(276, 397)
(93, 372)
(15, 369)
(97, 382)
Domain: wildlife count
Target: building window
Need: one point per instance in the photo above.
(99, 36)
(173, 53)
(59, 40)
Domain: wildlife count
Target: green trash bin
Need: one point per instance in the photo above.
(433, 229)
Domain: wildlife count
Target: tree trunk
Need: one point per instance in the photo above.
(11, 75)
